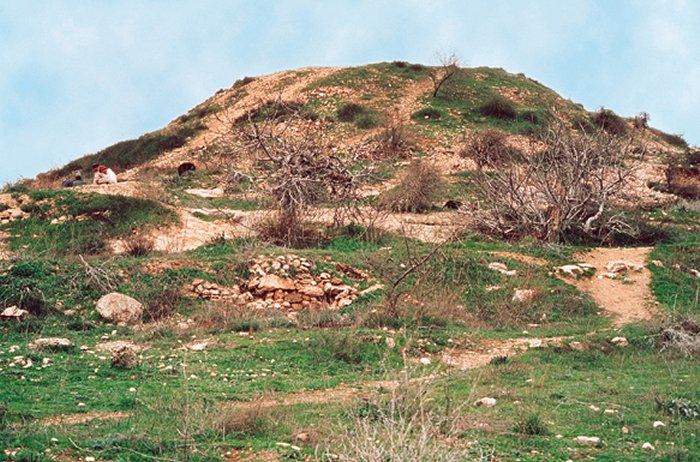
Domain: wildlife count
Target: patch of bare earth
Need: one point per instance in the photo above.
(628, 298)
(486, 350)
(71, 419)
(5, 252)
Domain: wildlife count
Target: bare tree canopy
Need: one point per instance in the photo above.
(563, 189)
(447, 68)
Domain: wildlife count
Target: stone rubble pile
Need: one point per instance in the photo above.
(287, 282)
(12, 214)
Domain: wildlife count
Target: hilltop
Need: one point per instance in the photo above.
(367, 263)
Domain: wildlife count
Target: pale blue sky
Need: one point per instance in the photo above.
(79, 75)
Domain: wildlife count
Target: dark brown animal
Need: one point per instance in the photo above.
(186, 167)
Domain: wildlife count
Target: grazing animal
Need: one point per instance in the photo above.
(454, 205)
(185, 168)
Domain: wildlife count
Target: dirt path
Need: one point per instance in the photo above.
(628, 298)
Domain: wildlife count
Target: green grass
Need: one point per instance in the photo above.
(89, 221)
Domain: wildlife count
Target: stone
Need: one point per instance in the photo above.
(648, 446)
(486, 402)
(619, 266)
(658, 424)
(523, 295)
(501, 268)
(116, 307)
(620, 341)
(52, 343)
(312, 291)
(571, 270)
(588, 440)
(610, 412)
(14, 312)
(425, 361)
(272, 282)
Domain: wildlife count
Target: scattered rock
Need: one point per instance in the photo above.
(571, 270)
(523, 295)
(648, 446)
(620, 341)
(51, 343)
(199, 346)
(486, 402)
(501, 268)
(390, 342)
(116, 307)
(658, 263)
(658, 424)
(588, 440)
(425, 361)
(610, 412)
(577, 346)
(13, 312)
(622, 267)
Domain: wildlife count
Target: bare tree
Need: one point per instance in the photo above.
(447, 68)
(564, 189)
(282, 152)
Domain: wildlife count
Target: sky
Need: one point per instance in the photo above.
(79, 75)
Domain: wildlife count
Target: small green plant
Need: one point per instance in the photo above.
(367, 120)
(348, 112)
(531, 426)
(498, 107)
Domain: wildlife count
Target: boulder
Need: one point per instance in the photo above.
(116, 307)
(52, 343)
(312, 291)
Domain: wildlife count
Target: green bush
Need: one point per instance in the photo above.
(610, 122)
(498, 107)
(531, 426)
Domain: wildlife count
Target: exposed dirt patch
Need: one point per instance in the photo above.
(627, 298)
(70, 419)
(488, 349)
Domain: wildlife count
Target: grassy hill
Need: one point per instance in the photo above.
(309, 293)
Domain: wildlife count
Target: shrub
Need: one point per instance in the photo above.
(138, 245)
(417, 189)
(244, 420)
(348, 112)
(162, 305)
(672, 139)
(400, 64)
(532, 426)
(610, 122)
(490, 147)
(498, 107)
